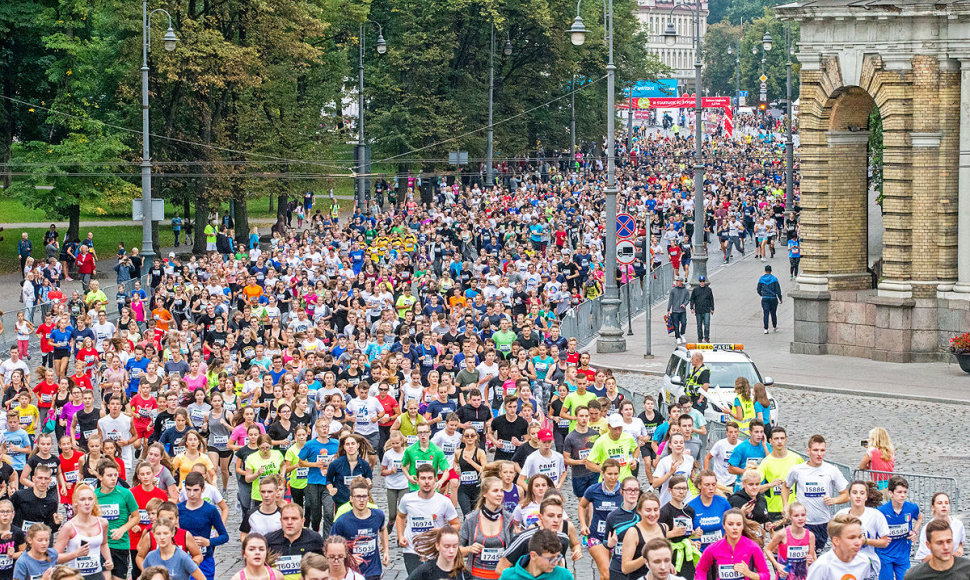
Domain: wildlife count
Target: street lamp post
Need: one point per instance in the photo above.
(489, 162)
(363, 159)
(168, 41)
(737, 70)
(572, 122)
(699, 251)
(611, 335)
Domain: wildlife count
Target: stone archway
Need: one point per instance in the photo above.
(903, 56)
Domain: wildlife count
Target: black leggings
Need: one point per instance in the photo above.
(297, 495)
(769, 308)
(793, 265)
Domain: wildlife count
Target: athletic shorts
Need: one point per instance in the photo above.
(120, 559)
(61, 354)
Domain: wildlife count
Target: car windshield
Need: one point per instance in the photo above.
(723, 374)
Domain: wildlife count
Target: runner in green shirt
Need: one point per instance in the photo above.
(118, 506)
(580, 398)
(774, 470)
(614, 445)
(504, 338)
(422, 452)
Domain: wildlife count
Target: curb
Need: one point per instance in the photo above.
(830, 390)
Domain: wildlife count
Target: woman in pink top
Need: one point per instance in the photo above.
(734, 556)
(880, 457)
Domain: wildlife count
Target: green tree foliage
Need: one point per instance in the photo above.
(721, 68)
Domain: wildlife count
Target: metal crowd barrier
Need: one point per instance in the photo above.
(921, 486)
(9, 317)
(583, 321)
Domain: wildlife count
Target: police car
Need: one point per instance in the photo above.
(726, 362)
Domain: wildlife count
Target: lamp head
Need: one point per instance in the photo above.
(730, 50)
(381, 44)
(766, 41)
(170, 39)
(507, 50)
(670, 34)
(577, 32)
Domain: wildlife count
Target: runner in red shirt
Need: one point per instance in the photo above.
(69, 458)
(45, 390)
(88, 358)
(144, 406)
(674, 251)
(80, 379)
(46, 348)
(144, 492)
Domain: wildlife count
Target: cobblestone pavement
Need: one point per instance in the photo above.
(844, 420)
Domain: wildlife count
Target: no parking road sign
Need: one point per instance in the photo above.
(626, 252)
(626, 226)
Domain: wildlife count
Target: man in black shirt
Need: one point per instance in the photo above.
(292, 541)
(508, 431)
(33, 505)
(475, 415)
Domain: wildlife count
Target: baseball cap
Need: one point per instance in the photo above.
(171, 254)
(615, 421)
(545, 435)
(702, 278)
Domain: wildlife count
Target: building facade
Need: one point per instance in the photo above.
(653, 16)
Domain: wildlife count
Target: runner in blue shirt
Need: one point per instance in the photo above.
(903, 518)
(750, 452)
(708, 509)
(596, 505)
(366, 529)
(316, 456)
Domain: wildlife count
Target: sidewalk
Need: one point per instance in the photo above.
(737, 319)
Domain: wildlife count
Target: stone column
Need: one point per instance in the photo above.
(961, 290)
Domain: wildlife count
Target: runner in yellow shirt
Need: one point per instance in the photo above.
(774, 469)
(614, 445)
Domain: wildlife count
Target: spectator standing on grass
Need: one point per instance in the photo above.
(177, 228)
(24, 248)
(86, 267)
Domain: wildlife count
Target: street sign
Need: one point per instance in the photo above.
(626, 226)
(764, 87)
(741, 101)
(626, 252)
(458, 158)
(158, 210)
(763, 78)
(742, 93)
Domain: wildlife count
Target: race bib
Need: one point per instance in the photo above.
(584, 453)
(618, 550)
(751, 464)
(797, 553)
(507, 447)
(813, 489)
(468, 477)
(302, 472)
(419, 525)
(70, 477)
(727, 572)
(145, 413)
(6, 562)
(897, 530)
(143, 518)
(710, 537)
(92, 481)
(684, 522)
(491, 554)
(412, 439)
(601, 527)
(419, 462)
(46, 398)
(349, 479)
(27, 525)
(26, 420)
(88, 434)
(289, 565)
(220, 441)
(110, 511)
(478, 426)
(564, 423)
(89, 564)
(197, 417)
(365, 546)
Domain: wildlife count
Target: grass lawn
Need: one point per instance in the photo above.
(105, 242)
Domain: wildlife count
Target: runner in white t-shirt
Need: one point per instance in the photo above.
(421, 511)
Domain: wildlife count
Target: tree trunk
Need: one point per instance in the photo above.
(201, 219)
(73, 221)
(281, 203)
(242, 218)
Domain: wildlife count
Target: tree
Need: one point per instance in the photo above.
(775, 59)
(720, 58)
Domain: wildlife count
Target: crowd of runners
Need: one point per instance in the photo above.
(419, 347)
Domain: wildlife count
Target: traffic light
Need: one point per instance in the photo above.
(762, 106)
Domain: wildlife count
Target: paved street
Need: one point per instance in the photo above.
(922, 447)
(737, 318)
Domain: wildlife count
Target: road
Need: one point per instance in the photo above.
(923, 447)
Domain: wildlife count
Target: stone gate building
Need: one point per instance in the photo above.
(912, 59)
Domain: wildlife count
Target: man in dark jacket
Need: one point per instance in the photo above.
(677, 308)
(770, 292)
(702, 307)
